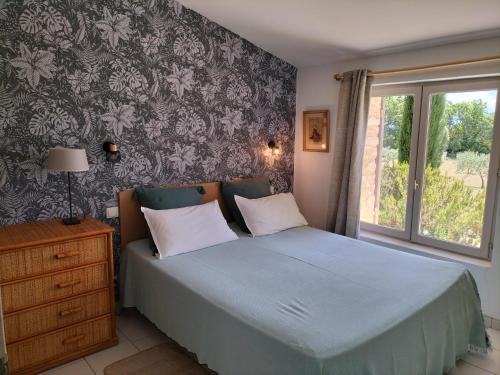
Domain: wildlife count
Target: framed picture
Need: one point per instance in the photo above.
(316, 128)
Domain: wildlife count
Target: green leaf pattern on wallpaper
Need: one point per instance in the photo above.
(185, 99)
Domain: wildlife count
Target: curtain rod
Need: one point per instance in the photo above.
(339, 76)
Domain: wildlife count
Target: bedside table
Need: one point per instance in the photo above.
(57, 292)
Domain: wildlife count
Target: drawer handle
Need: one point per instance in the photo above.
(72, 311)
(72, 340)
(67, 255)
(68, 284)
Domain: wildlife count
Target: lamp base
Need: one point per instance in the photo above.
(71, 221)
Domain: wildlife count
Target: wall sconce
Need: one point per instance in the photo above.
(112, 153)
(273, 148)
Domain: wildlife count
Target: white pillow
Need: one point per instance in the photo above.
(270, 214)
(180, 230)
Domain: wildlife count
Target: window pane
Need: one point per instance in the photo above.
(460, 135)
(385, 163)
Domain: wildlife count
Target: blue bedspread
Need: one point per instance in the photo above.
(305, 301)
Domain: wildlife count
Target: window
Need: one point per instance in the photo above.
(430, 164)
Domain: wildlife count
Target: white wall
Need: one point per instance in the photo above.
(316, 89)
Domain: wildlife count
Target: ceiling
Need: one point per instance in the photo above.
(315, 32)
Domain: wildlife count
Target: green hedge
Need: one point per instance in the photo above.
(451, 210)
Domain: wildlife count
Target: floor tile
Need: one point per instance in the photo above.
(78, 367)
(150, 341)
(98, 361)
(464, 368)
(135, 326)
(489, 362)
(495, 338)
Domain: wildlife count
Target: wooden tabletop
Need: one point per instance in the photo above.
(41, 232)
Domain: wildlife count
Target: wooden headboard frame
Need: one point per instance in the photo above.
(132, 223)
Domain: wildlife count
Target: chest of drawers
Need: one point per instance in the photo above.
(57, 292)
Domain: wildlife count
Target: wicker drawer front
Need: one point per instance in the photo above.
(28, 323)
(31, 292)
(59, 343)
(52, 257)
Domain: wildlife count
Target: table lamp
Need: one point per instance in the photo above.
(69, 160)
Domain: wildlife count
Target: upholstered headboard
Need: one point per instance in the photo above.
(132, 222)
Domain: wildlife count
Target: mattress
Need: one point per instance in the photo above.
(305, 301)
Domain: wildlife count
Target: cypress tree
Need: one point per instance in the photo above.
(404, 138)
(437, 136)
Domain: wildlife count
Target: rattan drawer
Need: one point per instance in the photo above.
(57, 344)
(31, 292)
(27, 323)
(28, 262)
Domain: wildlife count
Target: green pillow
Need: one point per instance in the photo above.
(158, 198)
(257, 188)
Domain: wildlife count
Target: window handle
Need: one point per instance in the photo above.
(416, 184)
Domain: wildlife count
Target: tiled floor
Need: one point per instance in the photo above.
(136, 333)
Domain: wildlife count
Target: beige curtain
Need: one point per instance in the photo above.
(348, 148)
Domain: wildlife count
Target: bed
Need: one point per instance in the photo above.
(304, 301)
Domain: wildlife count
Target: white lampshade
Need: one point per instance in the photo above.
(63, 159)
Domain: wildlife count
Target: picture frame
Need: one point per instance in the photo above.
(316, 131)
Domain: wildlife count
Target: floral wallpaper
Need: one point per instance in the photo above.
(185, 100)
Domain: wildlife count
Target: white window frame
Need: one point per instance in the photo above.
(401, 90)
(422, 93)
